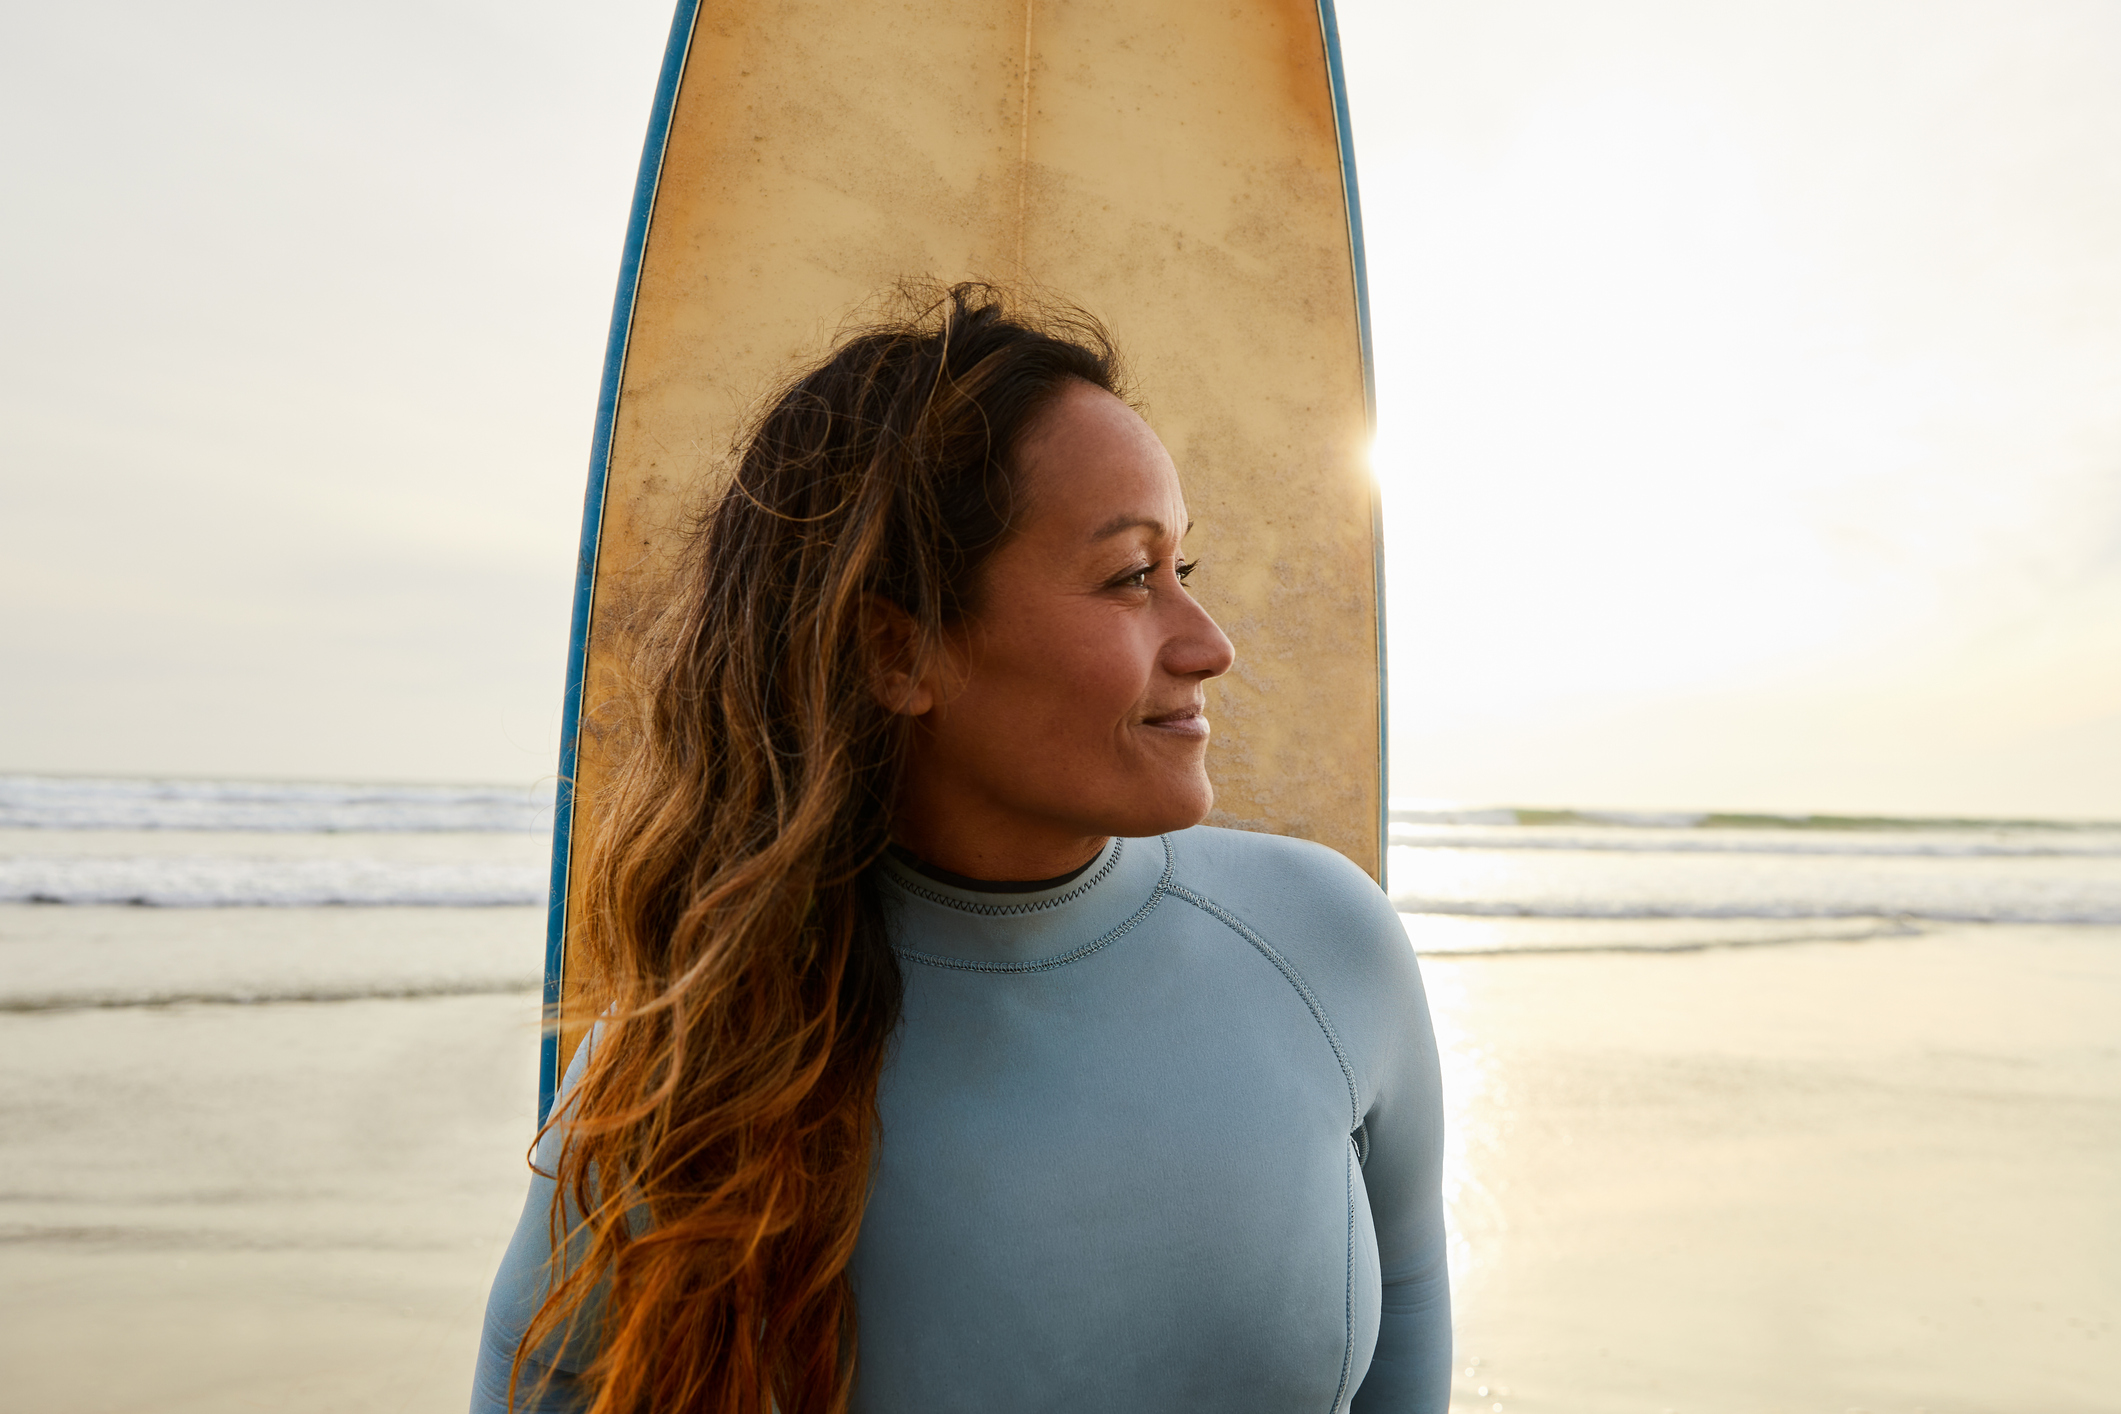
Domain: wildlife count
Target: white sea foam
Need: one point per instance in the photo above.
(2021, 843)
(1453, 816)
(1489, 882)
(85, 803)
(1456, 935)
(217, 881)
(2013, 911)
(206, 845)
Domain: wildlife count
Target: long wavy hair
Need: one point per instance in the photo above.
(716, 1151)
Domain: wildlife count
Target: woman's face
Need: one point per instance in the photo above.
(1071, 707)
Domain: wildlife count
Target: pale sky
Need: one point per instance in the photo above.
(1750, 400)
(1749, 381)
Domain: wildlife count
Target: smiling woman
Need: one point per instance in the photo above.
(946, 1061)
(1086, 644)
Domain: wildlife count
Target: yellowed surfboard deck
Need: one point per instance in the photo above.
(1180, 169)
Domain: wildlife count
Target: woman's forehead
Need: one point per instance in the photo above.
(1151, 526)
(1097, 466)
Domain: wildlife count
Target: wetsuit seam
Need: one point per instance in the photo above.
(960, 964)
(1347, 1291)
(1318, 1014)
(1292, 977)
(1013, 910)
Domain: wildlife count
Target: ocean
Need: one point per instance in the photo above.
(155, 892)
(136, 891)
(1487, 879)
(1555, 880)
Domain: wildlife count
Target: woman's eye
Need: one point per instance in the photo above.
(1139, 578)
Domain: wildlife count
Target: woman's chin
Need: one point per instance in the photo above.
(1178, 805)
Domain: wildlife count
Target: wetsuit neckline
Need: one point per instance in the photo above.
(1008, 932)
(941, 875)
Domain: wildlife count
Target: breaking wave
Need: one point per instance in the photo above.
(208, 881)
(86, 803)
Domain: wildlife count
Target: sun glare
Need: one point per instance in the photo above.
(1673, 405)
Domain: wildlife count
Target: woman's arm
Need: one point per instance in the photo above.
(1410, 1373)
(549, 1382)
(547, 1385)
(1341, 934)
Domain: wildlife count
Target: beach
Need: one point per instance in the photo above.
(1789, 1156)
(285, 1206)
(1813, 1177)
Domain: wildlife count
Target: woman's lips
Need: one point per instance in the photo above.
(1185, 722)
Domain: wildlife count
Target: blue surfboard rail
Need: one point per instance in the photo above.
(644, 190)
(1337, 75)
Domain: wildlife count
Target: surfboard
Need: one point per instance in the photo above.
(1181, 169)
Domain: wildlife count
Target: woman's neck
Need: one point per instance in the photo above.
(942, 875)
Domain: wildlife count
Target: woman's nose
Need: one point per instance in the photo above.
(1197, 648)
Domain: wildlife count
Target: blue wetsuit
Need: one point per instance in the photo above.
(1166, 1136)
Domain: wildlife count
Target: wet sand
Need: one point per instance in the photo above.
(1828, 1177)
(288, 1207)
(1817, 1177)
(291, 1205)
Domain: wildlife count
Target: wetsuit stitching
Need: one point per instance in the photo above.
(1011, 910)
(959, 964)
(1318, 1014)
(1347, 1298)
(1294, 979)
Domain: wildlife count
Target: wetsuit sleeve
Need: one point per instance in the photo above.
(1411, 1370)
(548, 1383)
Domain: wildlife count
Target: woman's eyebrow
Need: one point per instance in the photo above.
(1124, 521)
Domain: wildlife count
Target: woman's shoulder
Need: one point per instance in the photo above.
(1297, 894)
(1240, 862)
(1319, 918)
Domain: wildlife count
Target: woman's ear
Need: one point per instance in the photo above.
(890, 639)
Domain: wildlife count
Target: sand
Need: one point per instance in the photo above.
(285, 1207)
(1822, 1177)
(1882, 1176)
(58, 958)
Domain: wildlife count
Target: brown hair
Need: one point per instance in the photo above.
(719, 1144)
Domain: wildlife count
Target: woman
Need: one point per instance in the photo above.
(948, 1062)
